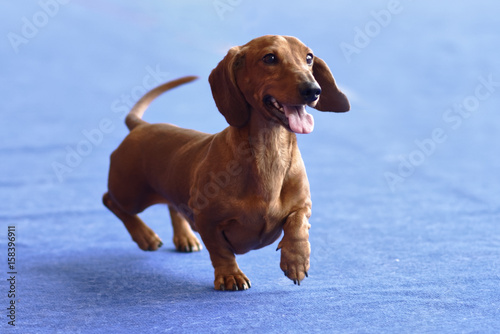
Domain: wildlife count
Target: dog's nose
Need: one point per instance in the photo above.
(310, 91)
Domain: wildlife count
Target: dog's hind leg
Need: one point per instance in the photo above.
(184, 238)
(145, 237)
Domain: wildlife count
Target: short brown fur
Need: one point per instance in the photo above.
(240, 188)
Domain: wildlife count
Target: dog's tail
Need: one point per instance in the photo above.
(134, 117)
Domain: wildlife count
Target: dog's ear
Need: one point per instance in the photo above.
(227, 95)
(331, 98)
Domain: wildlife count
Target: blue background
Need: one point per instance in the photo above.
(406, 204)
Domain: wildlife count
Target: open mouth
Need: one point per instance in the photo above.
(296, 116)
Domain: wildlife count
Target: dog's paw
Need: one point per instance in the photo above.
(232, 282)
(187, 243)
(147, 240)
(295, 260)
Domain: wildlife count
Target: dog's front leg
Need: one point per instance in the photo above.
(228, 276)
(295, 247)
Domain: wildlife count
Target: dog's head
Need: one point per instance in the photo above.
(278, 76)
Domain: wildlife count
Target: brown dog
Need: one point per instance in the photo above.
(239, 188)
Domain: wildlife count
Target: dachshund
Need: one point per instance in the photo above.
(241, 188)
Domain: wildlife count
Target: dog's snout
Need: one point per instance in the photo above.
(310, 91)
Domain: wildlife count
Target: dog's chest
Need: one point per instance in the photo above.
(258, 226)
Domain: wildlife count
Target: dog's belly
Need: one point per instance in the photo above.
(252, 232)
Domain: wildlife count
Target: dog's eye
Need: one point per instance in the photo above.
(309, 58)
(270, 58)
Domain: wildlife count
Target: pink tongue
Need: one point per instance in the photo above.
(298, 119)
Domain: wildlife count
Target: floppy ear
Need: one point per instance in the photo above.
(228, 97)
(331, 98)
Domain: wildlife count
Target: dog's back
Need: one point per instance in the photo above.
(153, 152)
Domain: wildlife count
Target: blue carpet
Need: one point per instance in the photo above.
(406, 186)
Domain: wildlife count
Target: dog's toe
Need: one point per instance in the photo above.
(295, 261)
(149, 243)
(153, 248)
(233, 282)
(187, 243)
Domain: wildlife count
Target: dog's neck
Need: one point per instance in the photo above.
(271, 147)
